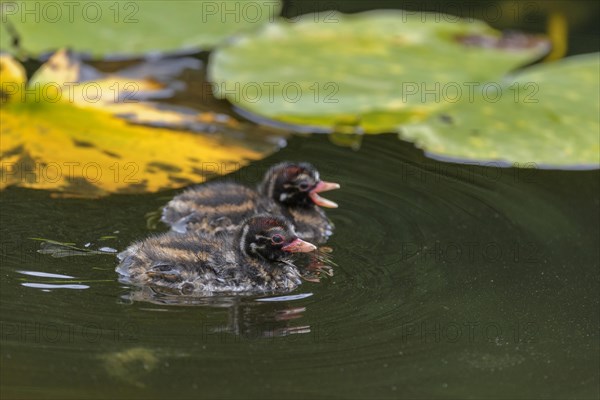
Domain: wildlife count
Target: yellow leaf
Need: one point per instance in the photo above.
(12, 77)
(79, 148)
(89, 153)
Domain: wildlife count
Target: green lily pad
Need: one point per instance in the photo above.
(367, 72)
(130, 27)
(546, 116)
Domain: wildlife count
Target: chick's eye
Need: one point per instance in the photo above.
(303, 186)
(277, 239)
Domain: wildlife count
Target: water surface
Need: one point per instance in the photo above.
(451, 281)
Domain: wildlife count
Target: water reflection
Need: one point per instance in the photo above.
(45, 274)
(247, 316)
(46, 287)
(54, 286)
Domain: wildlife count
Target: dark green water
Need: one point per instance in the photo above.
(452, 282)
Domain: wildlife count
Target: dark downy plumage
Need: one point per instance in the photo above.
(254, 259)
(290, 190)
(211, 208)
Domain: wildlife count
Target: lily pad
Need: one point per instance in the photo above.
(367, 72)
(545, 116)
(123, 29)
(76, 149)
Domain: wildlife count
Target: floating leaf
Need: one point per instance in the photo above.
(546, 115)
(128, 28)
(59, 147)
(64, 249)
(89, 152)
(368, 72)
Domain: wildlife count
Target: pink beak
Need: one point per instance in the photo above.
(299, 246)
(323, 186)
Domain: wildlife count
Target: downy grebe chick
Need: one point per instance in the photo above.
(212, 208)
(288, 189)
(294, 190)
(254, 259)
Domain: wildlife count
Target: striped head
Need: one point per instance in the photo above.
(296, 185)
(272, 238)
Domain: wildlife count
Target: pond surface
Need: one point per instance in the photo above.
(451, 281)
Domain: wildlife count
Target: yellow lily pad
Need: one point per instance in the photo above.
(77, 151)
(91, 153)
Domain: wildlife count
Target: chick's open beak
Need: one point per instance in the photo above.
(299, 246)
(323, 186)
